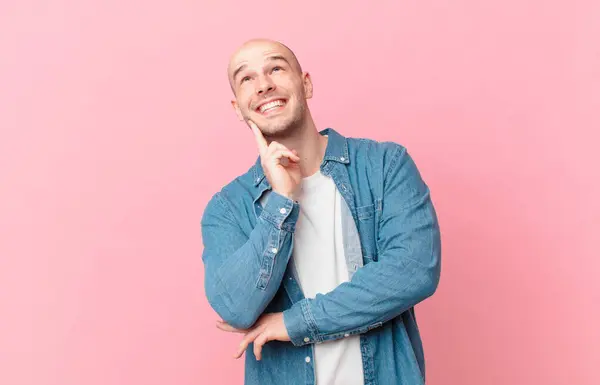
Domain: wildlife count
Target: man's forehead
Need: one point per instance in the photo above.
(259, 50)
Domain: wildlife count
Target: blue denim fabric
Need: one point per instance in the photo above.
(395, 265)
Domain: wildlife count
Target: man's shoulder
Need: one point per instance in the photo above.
(240, 187)
(374, 148)
(244, 180)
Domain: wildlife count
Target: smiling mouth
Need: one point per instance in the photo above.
(271, 107)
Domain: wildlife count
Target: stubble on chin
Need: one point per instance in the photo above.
(281, 128)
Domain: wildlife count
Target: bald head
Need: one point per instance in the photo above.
(269, 86)
(253, 48)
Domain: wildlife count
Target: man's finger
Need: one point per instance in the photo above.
(280, 155)
(258, 344)
(261, 142)
(250, 337)
(228, 328)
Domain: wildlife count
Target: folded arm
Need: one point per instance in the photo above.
(406, 273)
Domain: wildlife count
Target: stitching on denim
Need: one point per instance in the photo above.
(399, 152)
(221, 199)
(312, 324)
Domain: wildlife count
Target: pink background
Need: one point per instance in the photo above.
(114, 117)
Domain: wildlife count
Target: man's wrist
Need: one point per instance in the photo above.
(292, 195)
(281, 211)
(296, 325)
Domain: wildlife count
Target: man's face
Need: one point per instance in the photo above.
(269, 88)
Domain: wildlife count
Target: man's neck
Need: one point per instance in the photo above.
(309, 144)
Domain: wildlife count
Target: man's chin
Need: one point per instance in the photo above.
(271, 118)
(276, 125)
(271, 123)
(276, 128)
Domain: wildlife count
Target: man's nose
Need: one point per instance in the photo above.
(265, 85)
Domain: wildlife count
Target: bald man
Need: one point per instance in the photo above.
(318, 253)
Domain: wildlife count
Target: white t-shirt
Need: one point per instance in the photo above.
(318, 257)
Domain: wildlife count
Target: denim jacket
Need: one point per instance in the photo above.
(394, 264)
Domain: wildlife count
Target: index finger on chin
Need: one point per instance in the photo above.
(260, 139)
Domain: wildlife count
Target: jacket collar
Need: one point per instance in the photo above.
(336, 150)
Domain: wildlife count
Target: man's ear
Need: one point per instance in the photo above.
(238, 112)
(308, 86)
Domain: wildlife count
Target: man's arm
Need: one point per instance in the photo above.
(243, 273)
(407, 272)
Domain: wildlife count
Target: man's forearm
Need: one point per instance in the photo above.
(242, 274)
(377, 293)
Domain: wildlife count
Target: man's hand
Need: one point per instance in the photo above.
(269, 327)
(279, 163)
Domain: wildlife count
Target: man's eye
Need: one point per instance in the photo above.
(245, 78)
(276, 68)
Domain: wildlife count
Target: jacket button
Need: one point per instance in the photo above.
(307, 359)
(306, 339)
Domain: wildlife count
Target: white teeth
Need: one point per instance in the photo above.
(273, 104)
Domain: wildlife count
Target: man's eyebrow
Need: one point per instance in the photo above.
(238, 70)
(278, 57)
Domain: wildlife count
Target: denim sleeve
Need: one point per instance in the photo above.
(244, 271)
(406, 273)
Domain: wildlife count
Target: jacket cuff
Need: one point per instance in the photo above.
(281, 212)
(300, 324)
